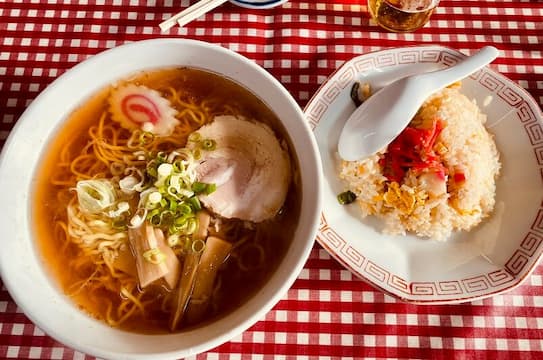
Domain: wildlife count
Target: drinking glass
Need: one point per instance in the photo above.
(401, 15)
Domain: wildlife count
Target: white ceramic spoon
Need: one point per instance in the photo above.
(384, 115)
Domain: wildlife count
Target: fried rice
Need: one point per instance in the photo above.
(454, 188)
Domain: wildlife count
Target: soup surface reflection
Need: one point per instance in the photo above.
(132, 210)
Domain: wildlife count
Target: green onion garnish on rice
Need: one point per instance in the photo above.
(346, 197)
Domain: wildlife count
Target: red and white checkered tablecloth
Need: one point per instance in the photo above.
(328, 313)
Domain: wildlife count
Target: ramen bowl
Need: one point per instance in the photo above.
(26, 274)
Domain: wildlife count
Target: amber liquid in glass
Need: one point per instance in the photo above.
(401, 15)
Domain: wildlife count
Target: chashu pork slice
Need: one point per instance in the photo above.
(249, 167)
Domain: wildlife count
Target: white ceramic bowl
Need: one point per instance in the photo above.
(20, 263)
(492, 258)
(258, 4)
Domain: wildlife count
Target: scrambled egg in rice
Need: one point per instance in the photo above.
(438, 176)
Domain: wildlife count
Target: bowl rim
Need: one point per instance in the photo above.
(258, 4)
(281, 280)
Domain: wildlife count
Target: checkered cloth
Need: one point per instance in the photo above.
(327, 313)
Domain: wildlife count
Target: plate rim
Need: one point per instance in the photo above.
(516, 279)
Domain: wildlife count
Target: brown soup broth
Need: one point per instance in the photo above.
(50, 202)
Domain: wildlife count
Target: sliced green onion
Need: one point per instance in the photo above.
(119, 223)
(164, 169)
(184, 209)
(167, 217)
(152, 168)
(155, 197)
(130, 184)
(179, 165)
(163, 202)
(146, 138)
(198, 187)
(172, 206)
(192, 224)
(181, 220)
(198, 246)
(119, 209)
(154, 217)
(175, 182)
(210, 188)
(95, 195)
(203, 188)
(346, 197)
(195, 203)
(138, 218)
(173, 240)
(161, 157)
(154, 256)
(194, 137)
(208, 144)
(168, 188)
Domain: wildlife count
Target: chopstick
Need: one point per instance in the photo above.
(192, 12)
